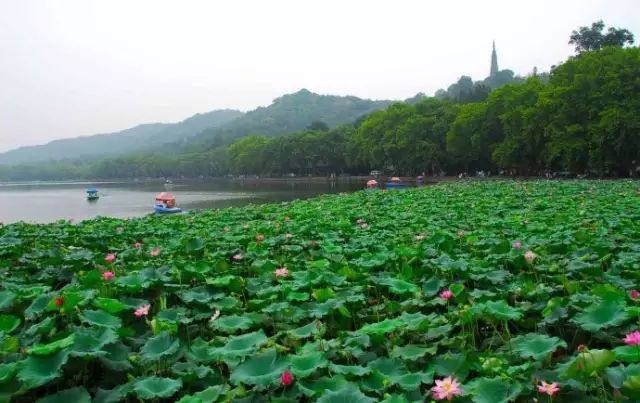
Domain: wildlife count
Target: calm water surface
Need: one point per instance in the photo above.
(48, 202)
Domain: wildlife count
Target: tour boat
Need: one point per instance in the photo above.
(166, 204)
(395, 184)
(92, 194)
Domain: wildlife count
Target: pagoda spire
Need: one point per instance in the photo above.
(494, 61)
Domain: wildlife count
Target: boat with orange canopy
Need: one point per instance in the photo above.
(166, 203)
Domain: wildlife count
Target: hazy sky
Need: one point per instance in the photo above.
(79, 67)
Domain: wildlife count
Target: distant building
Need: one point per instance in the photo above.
(494, 61)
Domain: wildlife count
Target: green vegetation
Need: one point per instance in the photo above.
(371, 296)
(580, 118)
(142, 137)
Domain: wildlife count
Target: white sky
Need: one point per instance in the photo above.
(80, 67)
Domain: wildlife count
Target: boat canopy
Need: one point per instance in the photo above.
(165, 196)
(92, 190)
(372, 182)
(395, 179)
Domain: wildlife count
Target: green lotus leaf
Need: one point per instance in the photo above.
(412, 380)
(323, 294)
(304, 365)
(298, 296)
(411, 352)
(379, 328)
(115, 395)
(175, 315)
(75, 395)
(501, 310)
(398, 286)
(305, 331)
(452, 364)
(109, 305)
(8, 371)
(39, 370)
(201, 351)
(263, 369)
(49, 348)
(354, 370)
(587, 363)
(627, 353)
(90, 341)
(493, 390)
(37, 307)
(232, 323)
(602, 315)
(244, 345)
(348, 393)
(432, 286)
(9, 323)
(190, 371)
(395, 399)
(100, 318)
(116, 357)
(415, 321)
(536, 346)
(390, 368)
(322, 385)
(160, 346)
(9, 344)
(6, 299)
(154, 387)
(209, 395)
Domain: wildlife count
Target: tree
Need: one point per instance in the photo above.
(591, 38)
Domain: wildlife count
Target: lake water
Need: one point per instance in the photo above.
(48, 202)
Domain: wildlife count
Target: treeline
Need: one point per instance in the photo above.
(583, 118)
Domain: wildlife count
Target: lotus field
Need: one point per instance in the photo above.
(483, 292)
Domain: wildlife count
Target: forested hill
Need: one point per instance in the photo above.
(138, 138)
(289, 113)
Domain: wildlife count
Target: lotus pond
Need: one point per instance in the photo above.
(481, 291)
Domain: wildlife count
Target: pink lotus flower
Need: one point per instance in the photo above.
(107, 275)
(110, 258)
(446, 388)
(237, 257)
(581, 348)
(634, 294)
(281, 272)
(137, 245)
(517, 245)
(446, 295)
(259, 238)
(548, 388)
(215, 315)
(530, 256)
(286, 378)
(632, 339)
(142, 310)
(155, 252)
(460, 233)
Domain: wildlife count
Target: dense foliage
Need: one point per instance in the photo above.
(372, 296)
(591, 38)
(581, 118)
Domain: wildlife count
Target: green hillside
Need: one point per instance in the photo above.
(142, 137)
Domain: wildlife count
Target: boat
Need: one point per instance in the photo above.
(395, 183)
(166, 204)
(372, 184)
(420, 180)
(92, 194)
(162, 209)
